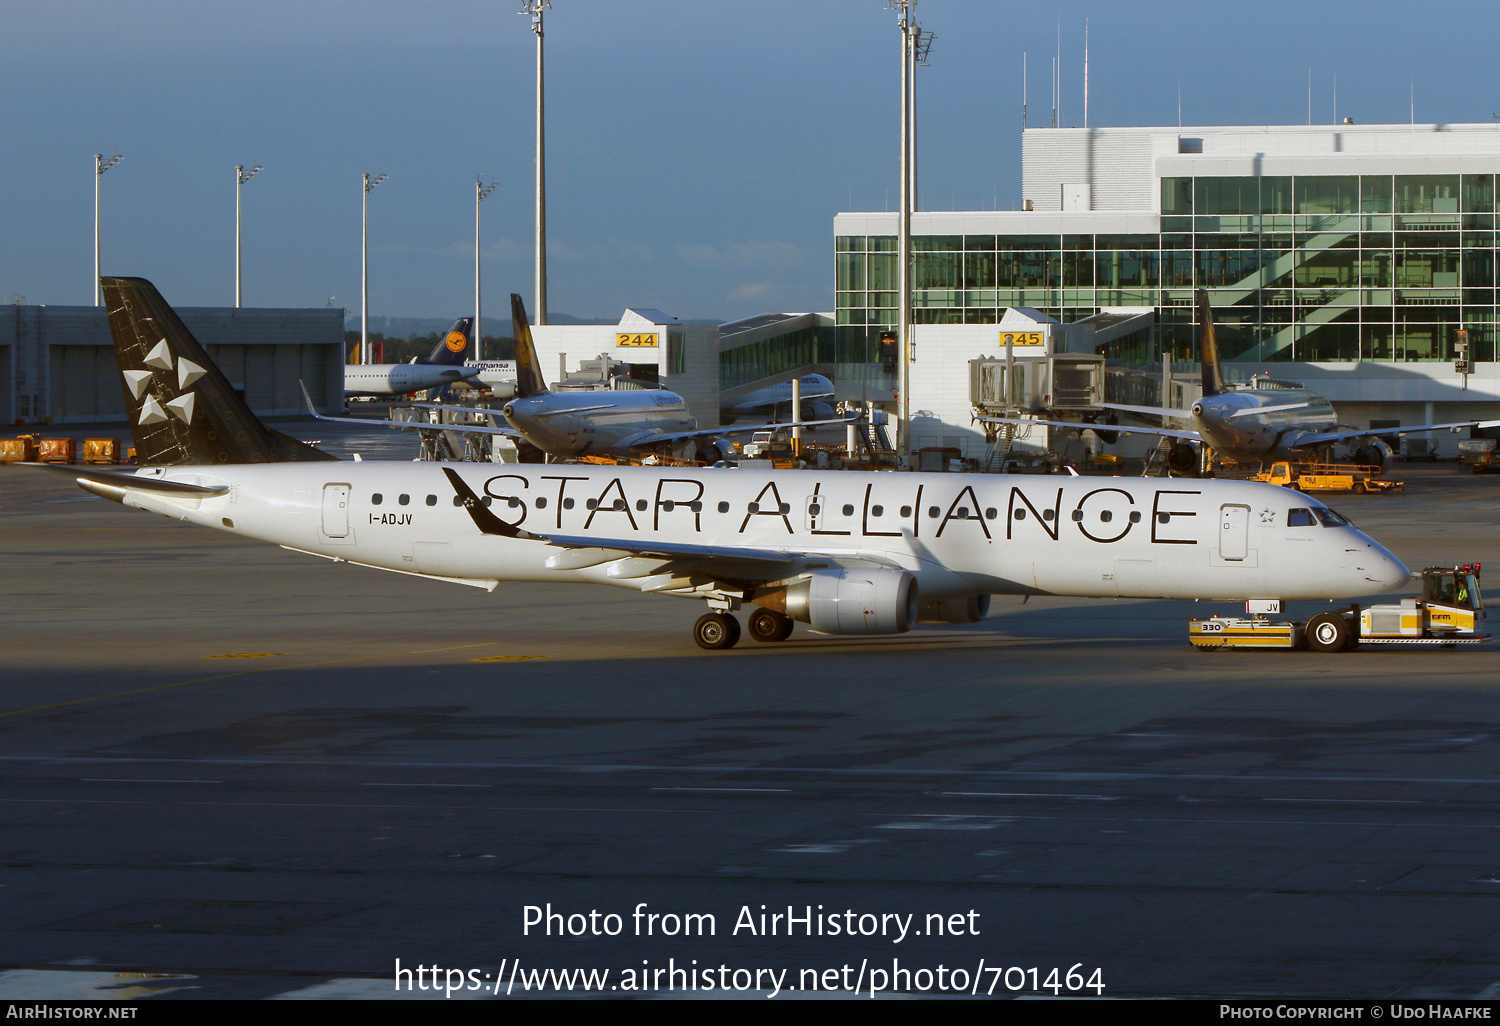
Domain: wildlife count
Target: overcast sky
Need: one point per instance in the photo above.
(697, 150)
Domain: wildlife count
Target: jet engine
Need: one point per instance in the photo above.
(972, 609)
(1107, 437)
(855, 601)
(1183, 458)
(1374, 453)
(812, 410)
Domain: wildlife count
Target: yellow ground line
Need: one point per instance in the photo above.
(226, 676)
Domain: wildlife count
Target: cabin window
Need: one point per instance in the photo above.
(541, 502)
(848, 511)
(754, 507)
(405, 500)
(877, 511)
(567, 504)
(1020, 514)
(1300, 518)
(991, 513)
(696, 507)
(814, 510)
(591, 504)
(1047, 514)
(906, 511)
(640, 505)
(933, 512)
(723, 507)
(432, 500)
(963, 512)
(1161, 518)
(784, 508)
(513, 502)
(1135, 517)
(458, 500)
(1078, 516)
(1105, 516)
(619, 505)
(487, 501)
(376, 499)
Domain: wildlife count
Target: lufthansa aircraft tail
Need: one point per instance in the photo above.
(183, 411)
(529, 380)
(456, 346)
(1213, 378)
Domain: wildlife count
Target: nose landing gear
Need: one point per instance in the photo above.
(716, 630)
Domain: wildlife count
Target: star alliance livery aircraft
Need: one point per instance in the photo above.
(846, 552)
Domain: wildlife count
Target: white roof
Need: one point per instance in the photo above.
(634, 318)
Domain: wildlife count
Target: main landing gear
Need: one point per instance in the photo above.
(721, 630)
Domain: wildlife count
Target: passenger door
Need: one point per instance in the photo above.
(336, 510)
(1234, 531)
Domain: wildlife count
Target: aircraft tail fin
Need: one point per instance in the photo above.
(456, 346)
(529, 380)
(183, 411)
(1213, 377)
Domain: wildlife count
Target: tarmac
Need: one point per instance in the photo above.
(232, 770)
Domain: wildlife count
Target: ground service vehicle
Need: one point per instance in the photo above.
(1449, 612)
(1327, 477)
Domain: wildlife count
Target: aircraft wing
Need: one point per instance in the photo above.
(653, 437)
(1251, 411)
(1341, 436)
(407, 425)
(786, 400)
(1191, 436)
(1151, 411)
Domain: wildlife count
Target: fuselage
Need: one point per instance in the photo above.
(813, 386)
(568, 424)
(957, 534)
(1228, 423)
(401, 378)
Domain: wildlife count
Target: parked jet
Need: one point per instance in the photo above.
(566, 425)
(850, 553)
(774, 398)
(1262, 420)
(443, 366)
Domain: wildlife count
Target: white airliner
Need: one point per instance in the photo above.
(443, 366)
(771, 399)
(566, 425)
(849, 553)
(1262, 420)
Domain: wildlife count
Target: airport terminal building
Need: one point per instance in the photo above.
(1347, 257)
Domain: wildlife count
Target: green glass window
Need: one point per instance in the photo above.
(1328, 268)
(882, 243)
(1427, 194)
(1276, 194)
(1375, 269)
(1027, 243)
(936, 243)
(1376, 341)
(979, 242)
(1076, 242)
(1375, 194)
(1127, 242)
(979, 270)
(1426, 268)
(1327, 194)
(850, 244)
(1078, 270)
(851, 271)
(1479, 268)
(1176, 196)
(1222, 267)
(1226, 196)
(1479, 194)
(1026, 270)
(1177, 269)
(882, 268)
(936, 270)
(1116, 269)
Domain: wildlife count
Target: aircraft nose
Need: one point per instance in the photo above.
(1382, 568)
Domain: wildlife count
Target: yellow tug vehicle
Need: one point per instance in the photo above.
(1449, 613)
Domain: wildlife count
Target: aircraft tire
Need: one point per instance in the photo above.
(716, 630)
(1328, 632)
(767, 625)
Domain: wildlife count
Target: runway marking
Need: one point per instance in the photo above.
(373, 784)
(238, 673)
(1027, 794)
(1350, 801)
(245, 655)
(505, 659)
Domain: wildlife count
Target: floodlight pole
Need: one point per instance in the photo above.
(241, 176)
(364, 267)
(100, 166)
(539, 298)
(480, 192)
(903, 242)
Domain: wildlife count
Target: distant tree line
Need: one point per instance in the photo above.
(401, 350)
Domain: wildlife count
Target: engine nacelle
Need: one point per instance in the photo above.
(971, 609)
(1373, 453)
(855, 601)
(1183, 458)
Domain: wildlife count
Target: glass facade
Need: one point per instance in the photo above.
(1329, 268)
(777, 355)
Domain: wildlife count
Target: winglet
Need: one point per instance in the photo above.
(1213, 378)
(483, 519)
(529, 380)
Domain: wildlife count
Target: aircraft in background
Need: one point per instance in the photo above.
(773, 398)
(847, 552)
(1264, 419)
(566, 425)
(443, 366)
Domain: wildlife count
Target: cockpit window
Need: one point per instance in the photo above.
(1300, 518)
(1331, 519)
